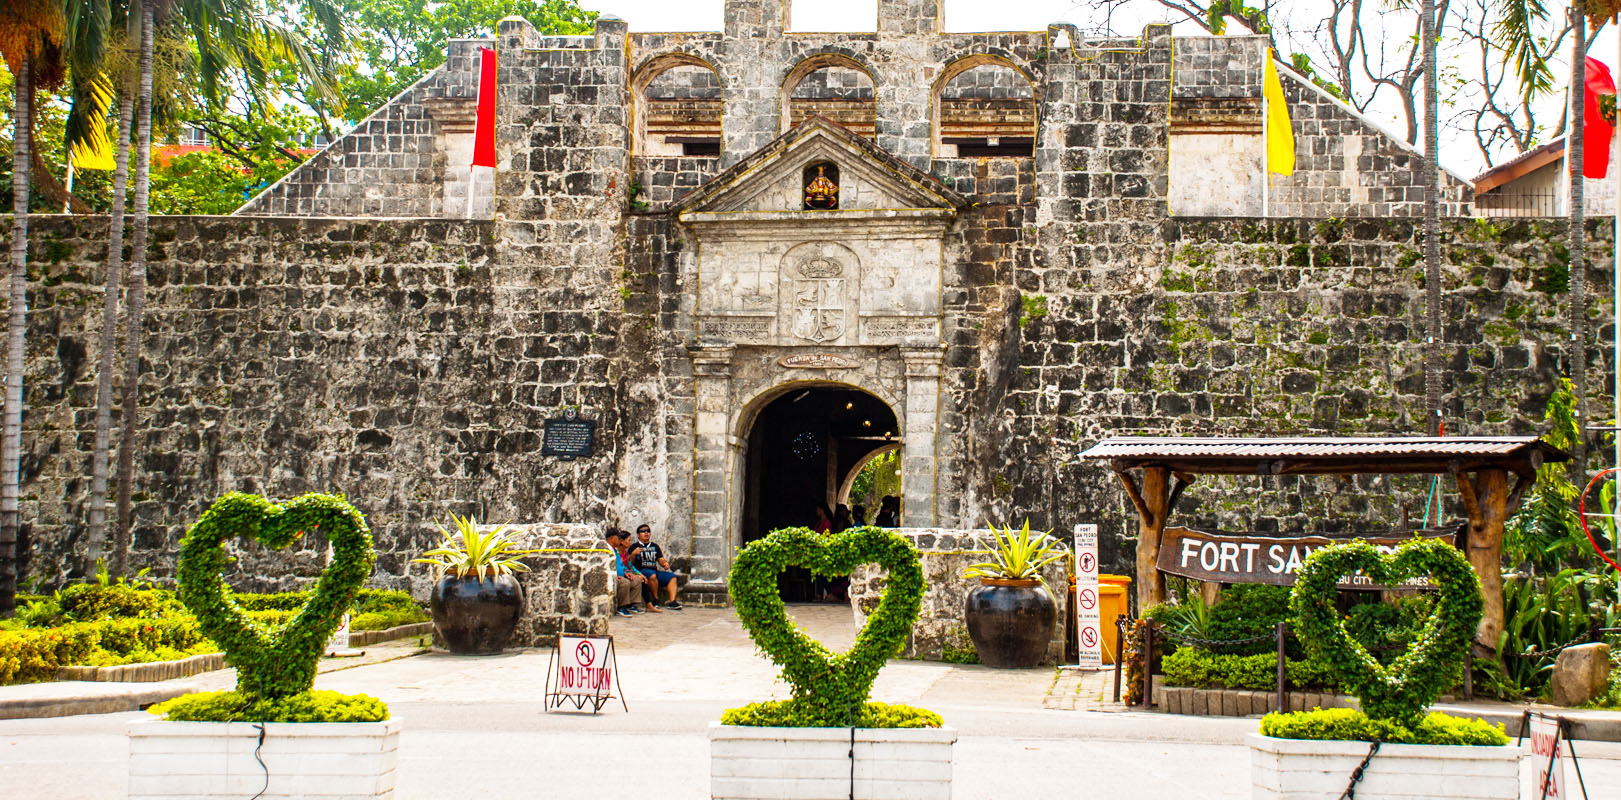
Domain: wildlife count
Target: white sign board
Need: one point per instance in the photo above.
(340, 637)
(584, 667)
(1088, 615)
(1546, 749)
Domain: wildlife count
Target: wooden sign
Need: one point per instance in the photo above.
(1265, 559)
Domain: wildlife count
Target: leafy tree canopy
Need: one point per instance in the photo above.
(399, 41)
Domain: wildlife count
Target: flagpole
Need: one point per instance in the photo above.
(1266, 155)
(67, 204)
(472, 183)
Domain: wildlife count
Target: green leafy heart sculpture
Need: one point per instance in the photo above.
(1404, 689)
(271, 663)
(829, 688)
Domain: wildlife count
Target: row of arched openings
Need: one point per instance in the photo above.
(982, 105)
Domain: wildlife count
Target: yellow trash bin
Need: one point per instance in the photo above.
(1112, 604)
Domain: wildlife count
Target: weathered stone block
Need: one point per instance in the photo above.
(1580, 674)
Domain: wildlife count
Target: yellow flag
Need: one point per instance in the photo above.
(1280, 135)
(95, 151)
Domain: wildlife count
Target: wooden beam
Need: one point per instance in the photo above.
(1153, 508)
(1485, 500)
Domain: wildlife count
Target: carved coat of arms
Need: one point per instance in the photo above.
(818, 306)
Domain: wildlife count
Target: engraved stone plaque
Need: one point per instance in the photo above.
(817, 361)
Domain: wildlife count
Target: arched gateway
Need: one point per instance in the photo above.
(815, 289)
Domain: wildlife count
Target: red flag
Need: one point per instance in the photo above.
(484, 126)
(1596, 130)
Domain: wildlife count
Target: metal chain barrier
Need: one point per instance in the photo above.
(1195, 641)
(1356, 774)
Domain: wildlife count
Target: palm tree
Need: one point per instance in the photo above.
(1432, 231)
(31, 41)
(1574, 145)
(230, 36)
(136, 293)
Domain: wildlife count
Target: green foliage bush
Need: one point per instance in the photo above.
(1414, 679)
(829, 689)
(83, 602)
(1345, 724)
(787, 714)
(30, 654)
(310, 706)
(1202, 669)
(273, 663)
(1246, 610)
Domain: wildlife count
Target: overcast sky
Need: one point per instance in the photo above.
(1458, 151)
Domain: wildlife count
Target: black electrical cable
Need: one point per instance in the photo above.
(256, 749)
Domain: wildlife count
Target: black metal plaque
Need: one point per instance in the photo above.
(569, 439)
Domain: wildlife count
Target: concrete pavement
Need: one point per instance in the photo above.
(476, 724)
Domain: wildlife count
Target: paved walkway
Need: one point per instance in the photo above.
(479, 722)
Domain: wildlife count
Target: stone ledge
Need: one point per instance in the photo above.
(144, 673)
(363, 638)
(1238, 702)
(153, 671)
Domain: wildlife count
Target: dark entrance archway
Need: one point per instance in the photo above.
(801, 448)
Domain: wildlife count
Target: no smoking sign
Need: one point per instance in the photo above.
(1088, 598)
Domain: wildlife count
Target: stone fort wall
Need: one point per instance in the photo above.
(410, 363)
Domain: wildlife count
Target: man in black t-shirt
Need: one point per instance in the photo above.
(648, 559)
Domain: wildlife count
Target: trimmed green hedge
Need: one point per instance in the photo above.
(1402, 690)
(1202, 669)
(29, 655)
(1344, 724)
(787, 714)
(310, 706)
(280, 663)
(829, 689)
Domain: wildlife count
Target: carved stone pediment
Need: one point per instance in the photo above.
(771, 179)
(773, 273)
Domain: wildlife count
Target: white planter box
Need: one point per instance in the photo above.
(814, 763)
(1303, 769)
(216, 759)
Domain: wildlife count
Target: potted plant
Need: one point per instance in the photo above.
(273, 734)
(1391, 747)
(827, 740)
(477, 602)
(1010, 615)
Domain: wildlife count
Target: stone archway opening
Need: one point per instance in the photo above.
(803, 447)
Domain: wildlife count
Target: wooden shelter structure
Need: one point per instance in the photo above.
(1156, 470)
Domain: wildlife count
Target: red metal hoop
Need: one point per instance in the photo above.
(1581, 513)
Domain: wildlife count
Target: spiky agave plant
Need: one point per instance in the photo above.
(1018, 555)
(470, 553)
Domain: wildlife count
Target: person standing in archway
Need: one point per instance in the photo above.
(889, 512)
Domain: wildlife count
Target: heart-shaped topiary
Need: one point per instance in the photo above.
(1404, 689)
(829, 688)
(273, 663)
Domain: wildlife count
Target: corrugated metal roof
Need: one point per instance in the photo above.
(1171, 447)
(1327, 455)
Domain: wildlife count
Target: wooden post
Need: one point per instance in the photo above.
(1153, 506)
(1486, 501)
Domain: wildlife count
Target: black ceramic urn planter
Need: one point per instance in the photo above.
(476, 618)
(1011, 622)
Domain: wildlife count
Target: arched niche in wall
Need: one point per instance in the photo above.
(984, 106)
(834, 86)
(677, 101)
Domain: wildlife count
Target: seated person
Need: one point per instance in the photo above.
(627, 581)
(648, 559)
